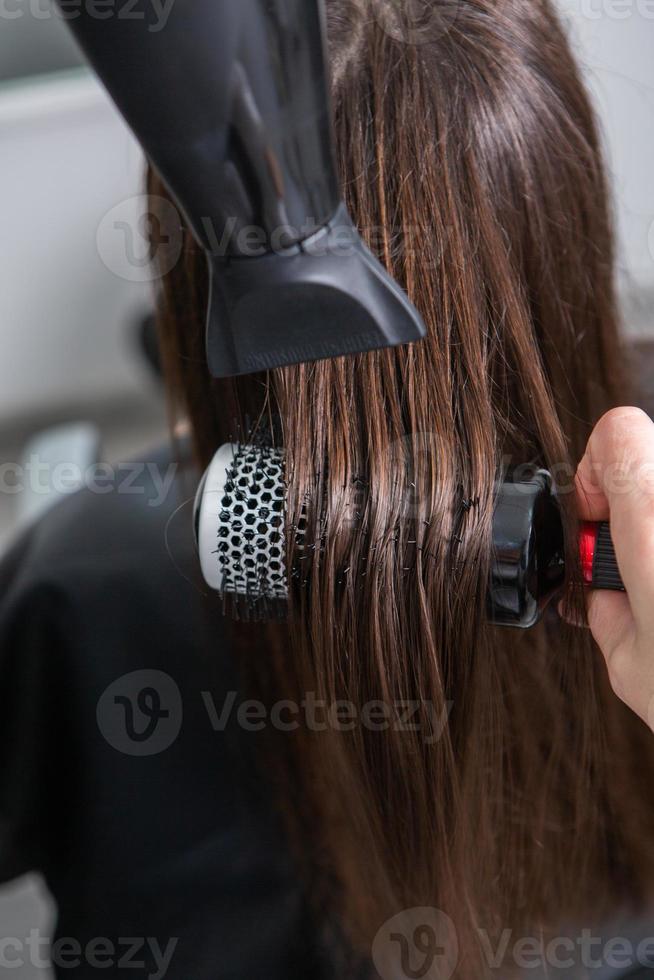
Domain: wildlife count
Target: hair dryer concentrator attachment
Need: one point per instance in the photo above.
(241, 535)
(326, 297)
(230, 101)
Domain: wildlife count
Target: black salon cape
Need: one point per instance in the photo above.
(180, 844)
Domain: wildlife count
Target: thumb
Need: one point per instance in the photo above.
(610, 620)
(612, 624)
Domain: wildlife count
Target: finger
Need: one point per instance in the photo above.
(592, 502)
(614, 630)
(616, 478)
(610, 620)
(620, 439)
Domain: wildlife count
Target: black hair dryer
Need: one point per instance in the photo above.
(230, 101)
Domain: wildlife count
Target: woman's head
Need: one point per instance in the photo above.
(469, 158)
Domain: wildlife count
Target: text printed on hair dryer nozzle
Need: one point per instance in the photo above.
(155, 13)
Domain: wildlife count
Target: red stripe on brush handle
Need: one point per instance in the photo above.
(599, 565)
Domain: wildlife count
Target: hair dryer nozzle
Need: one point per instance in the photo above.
(325, 297)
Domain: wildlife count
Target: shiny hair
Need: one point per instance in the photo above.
(470, 159)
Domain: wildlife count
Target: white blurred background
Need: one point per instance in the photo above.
(70, 320)
(70, 314)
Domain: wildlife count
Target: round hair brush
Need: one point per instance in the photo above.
(241, 535)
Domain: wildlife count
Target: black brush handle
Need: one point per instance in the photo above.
(600, 565)
(528, 555)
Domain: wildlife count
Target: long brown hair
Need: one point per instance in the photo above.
(470, 159)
